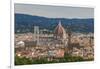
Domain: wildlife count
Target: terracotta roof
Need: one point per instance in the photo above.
(59, 30)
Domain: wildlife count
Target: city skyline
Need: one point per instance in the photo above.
(55, 39)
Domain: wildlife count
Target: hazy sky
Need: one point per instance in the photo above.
(54, 11)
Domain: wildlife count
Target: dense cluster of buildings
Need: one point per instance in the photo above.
(37, 45)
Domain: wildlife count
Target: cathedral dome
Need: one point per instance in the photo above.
(59, 31)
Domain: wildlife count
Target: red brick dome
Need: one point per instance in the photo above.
(59, 31)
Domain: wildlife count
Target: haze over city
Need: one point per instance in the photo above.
(54, 11)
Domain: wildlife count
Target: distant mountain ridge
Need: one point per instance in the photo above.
(24, 23)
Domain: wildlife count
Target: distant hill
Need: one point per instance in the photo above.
(25, 23)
